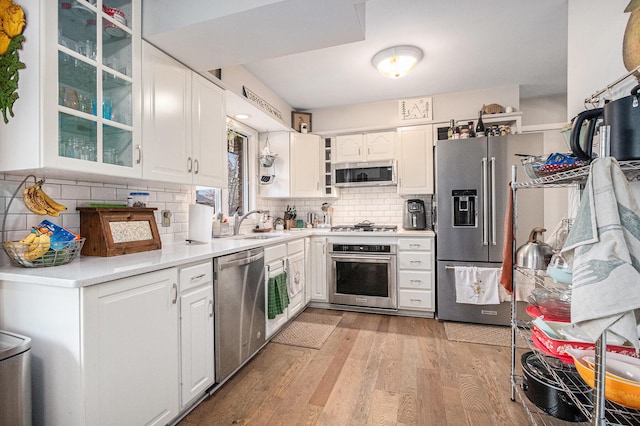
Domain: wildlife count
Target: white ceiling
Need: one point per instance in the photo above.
(317, 54)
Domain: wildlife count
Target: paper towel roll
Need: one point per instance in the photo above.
(200, 223)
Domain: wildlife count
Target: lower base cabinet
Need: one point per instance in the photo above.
(415, 274)
(197, 364)
(280, 258)
(131, 341)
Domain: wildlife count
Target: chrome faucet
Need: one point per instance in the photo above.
(238, 220)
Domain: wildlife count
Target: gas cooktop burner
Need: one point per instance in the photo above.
(365, 226)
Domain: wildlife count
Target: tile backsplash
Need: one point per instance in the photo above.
(378, 204)
(74, 194)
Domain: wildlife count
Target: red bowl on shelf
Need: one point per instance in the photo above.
(559, 347)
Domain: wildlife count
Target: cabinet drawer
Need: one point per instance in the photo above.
(421, 244)
(415, 260)
(295, 247)
(415, 299)
(415, 280)
(193, 276)
(275, 252)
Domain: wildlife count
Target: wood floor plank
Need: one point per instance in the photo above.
(384, 411)
(372, 370)
(325, 387)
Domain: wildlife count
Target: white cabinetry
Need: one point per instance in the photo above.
(275, 258)
(365, 147)
(183, 123)
(415, 274)
(109, 353)
(415, 160)
(296, 274)
(131, 360)
(297, 168)
(319, 289)
(280, 258)
(196, 331)
(78, 106)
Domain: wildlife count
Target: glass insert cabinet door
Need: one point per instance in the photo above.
(95, 81)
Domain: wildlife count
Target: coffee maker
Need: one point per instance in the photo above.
(414, 215)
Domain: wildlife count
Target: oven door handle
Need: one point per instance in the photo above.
(359, 257)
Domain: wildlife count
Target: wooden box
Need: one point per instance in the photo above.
(112, 231)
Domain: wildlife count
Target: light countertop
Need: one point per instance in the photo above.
(89, 270)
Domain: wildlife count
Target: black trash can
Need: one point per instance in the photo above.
(15, 379)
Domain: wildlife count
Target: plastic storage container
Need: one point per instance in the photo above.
(138, 199)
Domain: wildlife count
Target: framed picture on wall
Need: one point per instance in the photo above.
(300, 118)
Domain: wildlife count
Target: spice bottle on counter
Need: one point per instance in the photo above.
(450, 129)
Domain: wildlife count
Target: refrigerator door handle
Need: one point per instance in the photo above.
(485, 203)
(492, 167)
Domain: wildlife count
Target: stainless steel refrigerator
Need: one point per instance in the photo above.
(472, 190)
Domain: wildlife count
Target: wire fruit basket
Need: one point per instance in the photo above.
(36, 255)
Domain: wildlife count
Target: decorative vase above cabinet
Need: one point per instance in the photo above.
(79, 102)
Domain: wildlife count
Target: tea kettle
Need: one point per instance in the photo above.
(534, 254)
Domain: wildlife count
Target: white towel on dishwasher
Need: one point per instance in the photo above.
(477, 286)
(295, 274)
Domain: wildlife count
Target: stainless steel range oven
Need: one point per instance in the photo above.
(363, 275)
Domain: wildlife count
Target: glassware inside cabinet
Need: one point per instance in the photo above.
(78, 137)
(77, 27)
(77, 84)
(117, 147)
(116, 47)
(116, 99)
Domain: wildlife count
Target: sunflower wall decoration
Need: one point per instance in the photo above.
(12, 23)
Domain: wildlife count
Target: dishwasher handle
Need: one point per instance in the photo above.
(234, 260)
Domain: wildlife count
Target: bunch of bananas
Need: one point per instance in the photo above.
(38, 243)
(39, 202)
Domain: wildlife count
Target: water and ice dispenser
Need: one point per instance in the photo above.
(465, 212)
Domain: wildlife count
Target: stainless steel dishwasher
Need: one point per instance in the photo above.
(239, 300)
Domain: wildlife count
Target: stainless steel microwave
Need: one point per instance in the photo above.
(373, 173)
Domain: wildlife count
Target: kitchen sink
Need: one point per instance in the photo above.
(257, 237)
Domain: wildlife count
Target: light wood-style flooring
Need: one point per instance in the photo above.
(372, 370)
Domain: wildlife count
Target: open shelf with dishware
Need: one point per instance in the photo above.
(588, 402)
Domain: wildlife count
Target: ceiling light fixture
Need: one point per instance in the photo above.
(397, 61)
(242, 116)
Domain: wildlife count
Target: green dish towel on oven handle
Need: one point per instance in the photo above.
(277, 295)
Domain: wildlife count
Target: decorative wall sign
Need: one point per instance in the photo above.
(415, 109)
(261, 103)
(298, 118)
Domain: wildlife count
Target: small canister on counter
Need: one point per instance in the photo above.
(138, 199)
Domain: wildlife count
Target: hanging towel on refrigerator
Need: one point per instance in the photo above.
(507, 247)
(476, 286)
(605, 242)
(277, 296)
(295, 275)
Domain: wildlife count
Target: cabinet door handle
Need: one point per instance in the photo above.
(415, 261)
(414, 245)
(189, 165)
(197, 166)
(197, 277)
(210, 308)
(416, 300)
(139, 150)
(415, 281)
(174, 291)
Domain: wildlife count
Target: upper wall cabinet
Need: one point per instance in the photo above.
(415, 160)
(297, 168)
(183, 123)
(79, 95)
(365, 147)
